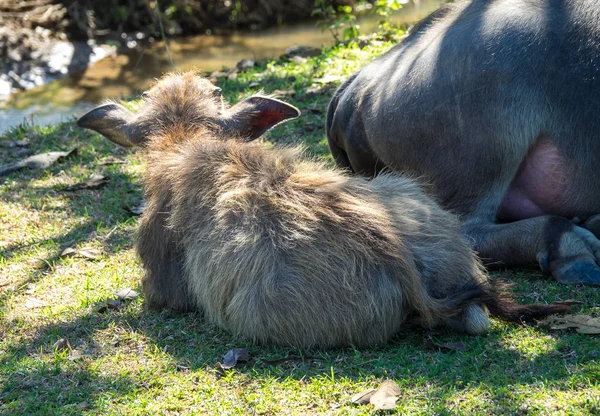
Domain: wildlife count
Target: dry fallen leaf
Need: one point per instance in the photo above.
(39, 161)
(69, 251)
(61, 345)
(95, 182)
(135, 210)
(90, 253)
(386, 396)
(115, 304)
(126, 294)
(123, 295)
(232, 357)
(363, 397)
(583, 324)
(85, 252)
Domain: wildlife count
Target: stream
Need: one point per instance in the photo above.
(127, 74)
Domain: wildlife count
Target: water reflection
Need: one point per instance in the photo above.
(127, 74)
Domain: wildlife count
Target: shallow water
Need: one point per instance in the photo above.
(124, 75)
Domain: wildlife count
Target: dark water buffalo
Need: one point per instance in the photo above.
(496, 105)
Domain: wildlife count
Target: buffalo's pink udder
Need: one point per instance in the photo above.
(539, 186)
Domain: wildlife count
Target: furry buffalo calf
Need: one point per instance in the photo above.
(496, 104)
(280, 249)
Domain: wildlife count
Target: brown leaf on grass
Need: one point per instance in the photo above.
(232, 358)
(126, 294)
(135, 210)
(123, 295)
(39, 161)
(386, 396)
(61, 345)
(446, 346)
(90, 253)
(363, 397)
(34, 303)
(115, 304)
(69, 251)
(95, 182)
(583, 324)
(85, 252)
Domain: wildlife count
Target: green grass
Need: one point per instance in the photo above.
(135, 361)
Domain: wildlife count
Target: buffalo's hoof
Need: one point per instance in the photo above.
(581, 273)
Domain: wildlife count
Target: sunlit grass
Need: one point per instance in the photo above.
(134, 361)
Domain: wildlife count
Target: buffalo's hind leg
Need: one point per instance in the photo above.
(569, 252)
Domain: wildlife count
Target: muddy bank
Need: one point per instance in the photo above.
(42, 40)
(32, 58)
(35, 47)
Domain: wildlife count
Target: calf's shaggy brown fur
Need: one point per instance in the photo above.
(281, 249)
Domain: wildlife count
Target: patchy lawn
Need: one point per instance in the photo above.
(124, 359)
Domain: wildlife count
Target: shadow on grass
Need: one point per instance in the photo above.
(191, 345)
(93, 209)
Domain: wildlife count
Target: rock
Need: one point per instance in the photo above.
(6, 86)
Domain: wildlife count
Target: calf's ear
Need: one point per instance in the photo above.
(113, 121)
(252, 117)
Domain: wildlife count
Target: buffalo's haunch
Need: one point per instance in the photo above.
(495, 105)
